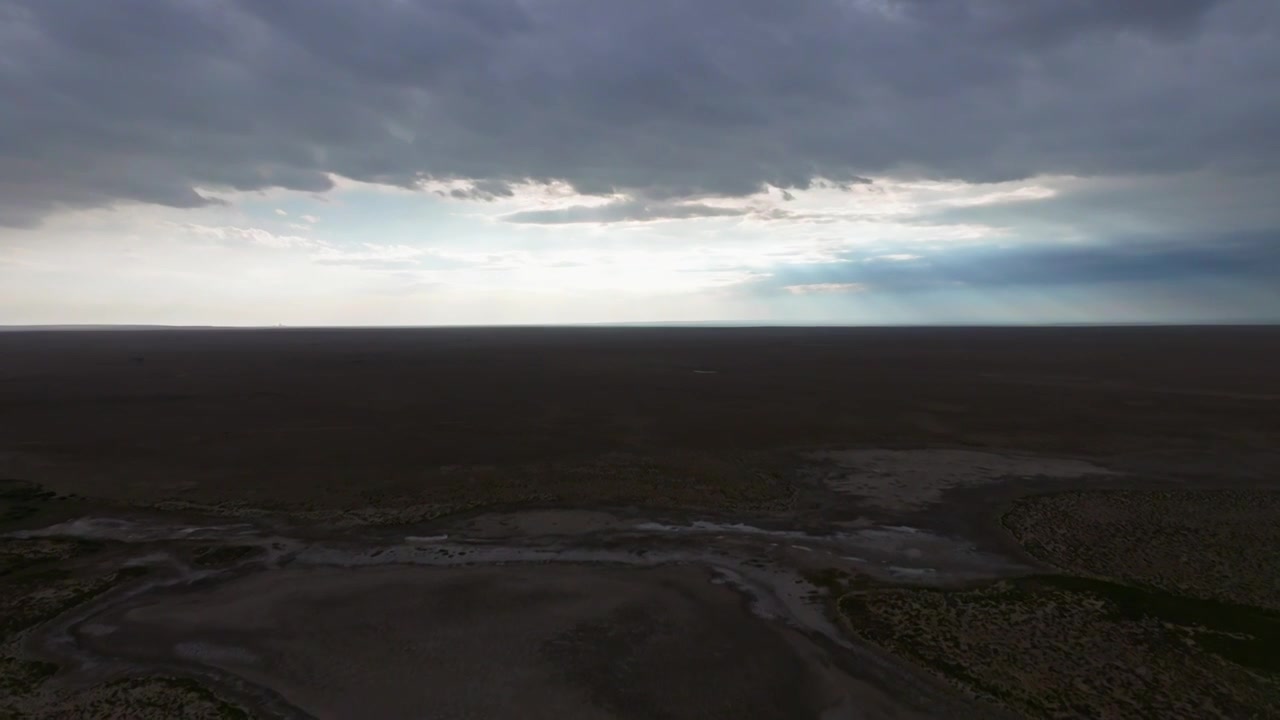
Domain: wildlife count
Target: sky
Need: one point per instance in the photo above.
(427, 162)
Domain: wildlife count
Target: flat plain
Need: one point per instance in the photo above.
(829, 522)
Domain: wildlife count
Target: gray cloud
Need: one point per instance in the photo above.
(1201, 203)
(1047, 23)
(622, 211)
(149, 100)
(1245, 258)
(487, 190)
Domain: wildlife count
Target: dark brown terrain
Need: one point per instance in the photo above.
(337, 416)
(854, 486)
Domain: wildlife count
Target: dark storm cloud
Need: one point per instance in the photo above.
(1245, 258)
(148, 100)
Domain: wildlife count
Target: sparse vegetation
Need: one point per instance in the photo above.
(1219, 544)
(38, 585)
(20, 500)
(31, 606)
(674, 481)
(1162, 612)
(1051, 645)
(142, 698)
(20, 554)
(20, 678)
(834, 583)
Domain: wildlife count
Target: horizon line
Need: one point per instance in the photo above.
(71, 327)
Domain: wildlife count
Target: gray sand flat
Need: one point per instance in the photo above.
(555, 641)
(912, 479)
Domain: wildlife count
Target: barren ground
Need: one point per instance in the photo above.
(586, 523)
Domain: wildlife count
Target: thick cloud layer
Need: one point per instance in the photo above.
(667, 100)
